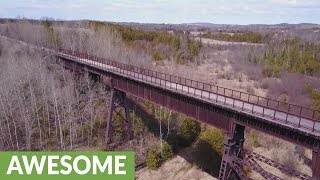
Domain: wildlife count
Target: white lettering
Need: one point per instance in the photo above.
(118, 165)
(52, 165)
(76, 164)
(14, 165)
(107, 163)
(33, 163)
(65, 164)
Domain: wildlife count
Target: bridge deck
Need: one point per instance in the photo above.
(293, 116)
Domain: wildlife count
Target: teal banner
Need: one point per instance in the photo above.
(66, 165)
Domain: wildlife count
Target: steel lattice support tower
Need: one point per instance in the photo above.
(118, 103)
(232, 159)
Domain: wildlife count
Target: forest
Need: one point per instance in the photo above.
(44, 107)
(253, 37)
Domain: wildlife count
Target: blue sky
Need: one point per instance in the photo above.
(169, 11)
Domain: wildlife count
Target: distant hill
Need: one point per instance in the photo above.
(198, 26)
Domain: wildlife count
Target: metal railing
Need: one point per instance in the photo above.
(297, 116)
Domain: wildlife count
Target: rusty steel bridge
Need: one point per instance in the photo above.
(227, 109)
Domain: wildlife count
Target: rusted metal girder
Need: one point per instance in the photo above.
(118, 104)
(232, 159)
(257, 168)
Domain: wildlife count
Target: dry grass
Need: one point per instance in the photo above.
(176, 168)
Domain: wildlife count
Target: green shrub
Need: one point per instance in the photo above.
(153, 158)
(138, 124)
(215, 138)
(189, 130)
(52, 38)
(293, 55)
(156, 56)
(47, 25)
(117, 130)
(131, 34)
(253, 37)
(86, 128)
(315, 96)
(96, 25)
(167, 151)
(49, 144)
(267, 71)
(175, 43)
(102, 146)
(271, 71)
(194, 47)
(254, 139)
(150, 106)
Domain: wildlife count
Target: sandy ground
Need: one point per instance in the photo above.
(176, 168)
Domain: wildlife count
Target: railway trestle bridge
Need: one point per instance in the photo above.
(227, 109)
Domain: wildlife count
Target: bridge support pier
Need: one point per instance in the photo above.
(118, 104)
(232, 159)
(316, 164)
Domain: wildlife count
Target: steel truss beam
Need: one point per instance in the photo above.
(252, 157)
(118, 105)
(232, 159)
(257, 168)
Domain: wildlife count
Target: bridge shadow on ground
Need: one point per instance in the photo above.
(301, 154)
(203, 156)
(199, 153)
